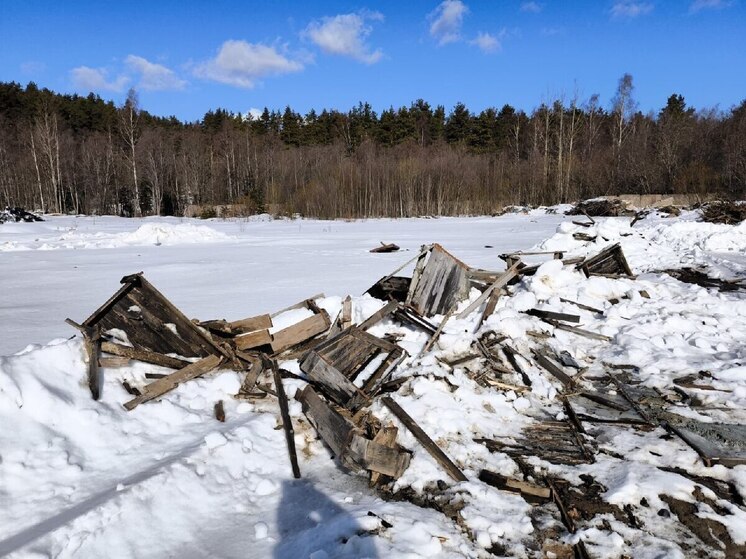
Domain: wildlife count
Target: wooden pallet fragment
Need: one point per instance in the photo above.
(611, 260)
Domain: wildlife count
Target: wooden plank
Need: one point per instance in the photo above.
(253, 339)
(92, 345)
(582, 306)
(166, 384)
(441, 284)
(379, 315)
(299, 332)
(411, 316)
(335, 384)
(390, 247)
(335, 430)
(546, 364)
(113, 300)
(578, 331)
(256, 368)
(252, 324)
(417, 274)
(182, 322)
(534, 493)
(286, 422)
(489, 308)
(429, 445)
(113, 362)
(554, 315)
(501, 282)
(386, 436)
(438, 332)
(298, 305)
(378, 458)
(346, 320)
(382, 373)
(510, 355)
(143, 355)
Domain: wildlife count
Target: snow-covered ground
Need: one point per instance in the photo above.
(89, 479)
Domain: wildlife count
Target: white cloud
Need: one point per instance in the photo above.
(487, 43)
(630, 9)
(345, 35)
(533, 7)
(240, 64)
(253, 113)
(94, 79)
(698, 5)
(153, 77)
(446, 21)
(33, 67)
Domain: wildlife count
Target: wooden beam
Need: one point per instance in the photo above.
(429, 445)
(530, 491)
(546, 364)
(582, 306)
(166, 384)
(438, 332)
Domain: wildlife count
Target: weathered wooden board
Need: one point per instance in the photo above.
(253, 339)
(499, 283)
(287, 424)
(143, 355)
(169, 382)
(252, 324)
(299, 332)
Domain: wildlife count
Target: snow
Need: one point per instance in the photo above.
(89, 479)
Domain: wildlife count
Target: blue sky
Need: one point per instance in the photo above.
(185, 57)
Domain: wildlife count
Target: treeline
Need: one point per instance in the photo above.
(68, 153)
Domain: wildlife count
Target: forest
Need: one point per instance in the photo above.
(83, 154)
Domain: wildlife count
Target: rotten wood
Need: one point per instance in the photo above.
(545, 363)
(220, 411)
(582, 306)
(578, 331)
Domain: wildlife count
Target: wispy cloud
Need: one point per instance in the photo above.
(699, 5)
(85, 78)
(241, 64)
(153, 77)
(487, 43)
(533, 7)
(446, 21)
(345, 35)
(630, 9)
(33, 67)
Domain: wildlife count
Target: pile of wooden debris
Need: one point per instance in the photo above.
(346, 369)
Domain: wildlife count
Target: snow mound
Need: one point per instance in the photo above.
(168, 234)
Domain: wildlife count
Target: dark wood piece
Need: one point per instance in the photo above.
(554, 315)
(220, 411)
(391, 247)
(286, 422)
(143, 355)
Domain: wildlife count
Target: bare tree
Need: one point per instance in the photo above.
(129, 128)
